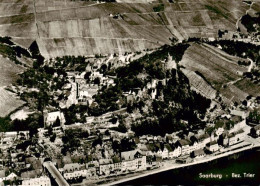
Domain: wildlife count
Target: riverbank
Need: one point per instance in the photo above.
(168, 165)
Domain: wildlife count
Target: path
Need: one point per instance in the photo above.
(252, 64)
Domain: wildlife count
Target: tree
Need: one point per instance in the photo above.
(103, 68)
(53, 137)
(97, 80)
(87, 75)
(57, 122)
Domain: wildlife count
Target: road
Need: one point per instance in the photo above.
(55, 174)
(252, 64)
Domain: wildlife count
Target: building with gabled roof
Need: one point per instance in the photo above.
(133, 160)
(71, 167)
(198, 153)
(185, 146)
(106, 166)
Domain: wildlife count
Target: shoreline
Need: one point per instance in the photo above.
(172, 167)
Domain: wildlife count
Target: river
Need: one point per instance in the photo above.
(227, 170)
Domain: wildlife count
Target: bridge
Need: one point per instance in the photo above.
(55, 173)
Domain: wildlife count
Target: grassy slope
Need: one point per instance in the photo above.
(8, 75)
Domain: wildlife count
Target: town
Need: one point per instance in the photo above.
(97, 92)
(93, 148)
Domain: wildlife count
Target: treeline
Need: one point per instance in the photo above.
(238, 48)
(10, 50)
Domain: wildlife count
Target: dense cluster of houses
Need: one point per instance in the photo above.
(130, 161)
(43, 180)
(152, 150)
(149, 153)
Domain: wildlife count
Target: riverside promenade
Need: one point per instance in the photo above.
(249, 144)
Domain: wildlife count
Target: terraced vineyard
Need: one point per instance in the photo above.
(85, 28)
(220, 70)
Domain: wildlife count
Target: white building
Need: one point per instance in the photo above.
(106, 166)
(185, 146)
(133, 160)
(175, 153)
(50, 118)
(43, 180)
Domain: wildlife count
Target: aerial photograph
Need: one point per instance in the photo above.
(129, 92)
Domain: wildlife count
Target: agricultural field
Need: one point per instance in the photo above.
(249, 87)
(122, 27)
(199, 84)
(220, 70)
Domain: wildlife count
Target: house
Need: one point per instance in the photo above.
(74, 170)
(240, 113)
(159, 152)
(133, 160)
(43, 180)
(71, 167)
(75, 174)
(203, 140)
(198, 153)
(83, 93)
(106, 166)
(117, 163)
(185, 146)
(50, 118)
(166, 150)
(94, 165)
(91, 173)
(212, 146)
(194, 143)
(176, 152)
(11, 176)
(255, 131)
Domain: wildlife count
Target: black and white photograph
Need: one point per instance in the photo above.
(129, 92)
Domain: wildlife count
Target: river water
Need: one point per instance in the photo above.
(242, 168)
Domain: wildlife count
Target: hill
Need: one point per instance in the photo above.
(87, 28)
(13, 61)
(220, 70)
